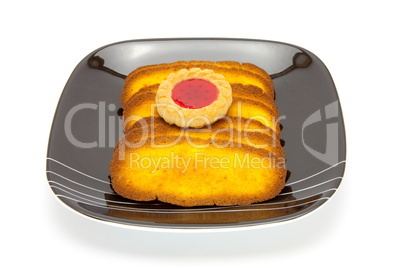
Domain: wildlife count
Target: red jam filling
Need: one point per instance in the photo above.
(194, 93)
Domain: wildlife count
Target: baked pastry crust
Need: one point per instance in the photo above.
(248, 102)
(234, 72)
(248, 132)
(196, 118)
(198, 183)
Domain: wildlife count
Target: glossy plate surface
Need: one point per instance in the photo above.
(87, 124)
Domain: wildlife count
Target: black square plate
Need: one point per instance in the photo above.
(87, 126)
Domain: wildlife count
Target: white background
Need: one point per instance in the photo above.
(359, 41)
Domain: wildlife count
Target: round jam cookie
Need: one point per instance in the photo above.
(193, 98)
